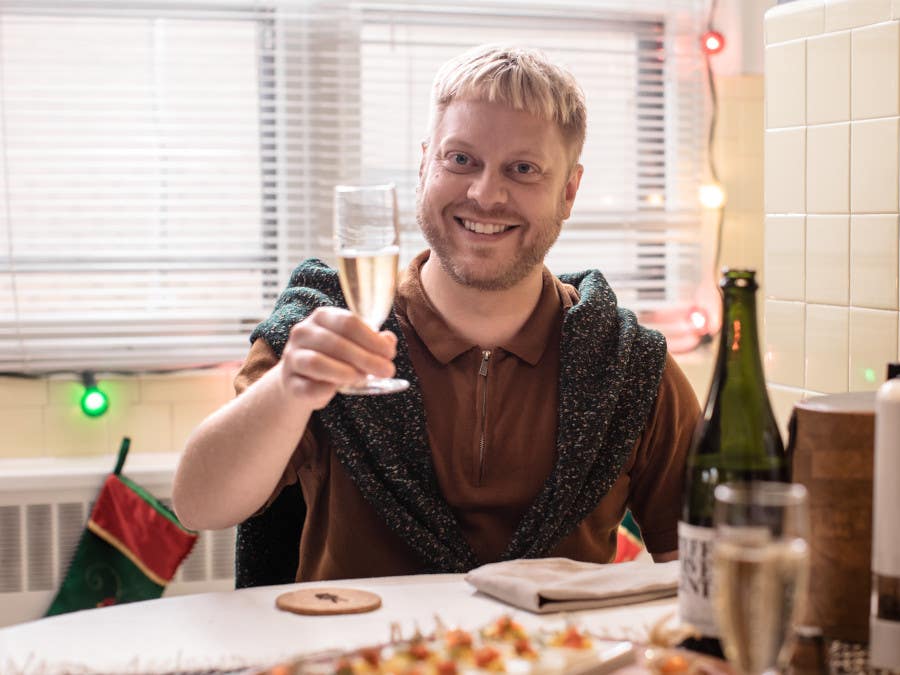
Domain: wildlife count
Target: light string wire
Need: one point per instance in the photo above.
(711, 141)
(105, 372)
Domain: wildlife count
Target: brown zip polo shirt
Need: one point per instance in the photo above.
(492, 425)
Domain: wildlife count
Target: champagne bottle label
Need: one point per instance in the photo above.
(695, 585)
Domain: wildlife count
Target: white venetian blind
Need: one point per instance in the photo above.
(636, 217)
(133, 208)
(166, 164)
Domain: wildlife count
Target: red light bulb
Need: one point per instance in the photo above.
(712, 42)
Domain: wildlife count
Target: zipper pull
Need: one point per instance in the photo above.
(485, 355)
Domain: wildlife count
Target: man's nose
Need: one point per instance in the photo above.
(488, 189)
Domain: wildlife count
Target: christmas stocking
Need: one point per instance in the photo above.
(629, 544)
(130, 550)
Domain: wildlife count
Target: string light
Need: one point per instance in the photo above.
(712, 196)
(712, 42)
(93, 401)
(693, 326)
(699, 320)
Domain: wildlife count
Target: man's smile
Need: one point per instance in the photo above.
(483, 228)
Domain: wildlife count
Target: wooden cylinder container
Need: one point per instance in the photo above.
(831, 446)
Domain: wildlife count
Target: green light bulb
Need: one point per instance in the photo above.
(94, 402)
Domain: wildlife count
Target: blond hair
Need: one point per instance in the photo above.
(518, 77)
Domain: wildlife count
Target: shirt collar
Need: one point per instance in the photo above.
(445, 344)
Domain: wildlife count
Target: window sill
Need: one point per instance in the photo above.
(48, 473)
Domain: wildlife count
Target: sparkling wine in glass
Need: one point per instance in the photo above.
(367, 244)
(760, 571)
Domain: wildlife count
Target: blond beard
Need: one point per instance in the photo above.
(526, 260)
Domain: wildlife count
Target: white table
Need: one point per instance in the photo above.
(240, 629)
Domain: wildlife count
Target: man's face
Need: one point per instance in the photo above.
(495, 186)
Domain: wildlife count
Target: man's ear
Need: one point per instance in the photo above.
(422, 160)
(572, 188)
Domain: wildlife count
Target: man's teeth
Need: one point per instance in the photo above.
(485, 228)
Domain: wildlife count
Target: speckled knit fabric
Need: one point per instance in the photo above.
(609, 375)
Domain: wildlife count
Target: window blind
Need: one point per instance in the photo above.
(133, 228)
(166, 164)
(636, 215)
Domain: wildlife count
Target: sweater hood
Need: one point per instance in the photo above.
(610, 370)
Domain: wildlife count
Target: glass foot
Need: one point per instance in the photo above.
(375, 385)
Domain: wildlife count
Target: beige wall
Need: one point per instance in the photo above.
(42, 418)
(832, 203)
(738, 153)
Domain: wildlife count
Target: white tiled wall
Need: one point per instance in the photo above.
(832, 199)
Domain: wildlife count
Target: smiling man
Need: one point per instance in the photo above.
(538, 411)
(505, 177)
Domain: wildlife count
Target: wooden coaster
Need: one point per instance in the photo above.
(328, 601)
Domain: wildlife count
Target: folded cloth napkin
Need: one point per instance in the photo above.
(558, 584)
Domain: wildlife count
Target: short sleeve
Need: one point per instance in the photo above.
(259, 360)
(657, 476)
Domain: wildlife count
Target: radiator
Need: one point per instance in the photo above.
(44, 506)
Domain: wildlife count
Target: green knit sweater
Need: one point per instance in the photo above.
(610, 370)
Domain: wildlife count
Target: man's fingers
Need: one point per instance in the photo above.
(332, 348)
(336, 351)
(351, 327)
(340, 335)
(316, 365)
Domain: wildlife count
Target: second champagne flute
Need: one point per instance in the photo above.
(367, 244)
(761, 570)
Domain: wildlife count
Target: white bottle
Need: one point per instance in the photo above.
(884, 621)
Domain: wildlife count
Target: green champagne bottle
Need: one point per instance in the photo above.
(737, 439)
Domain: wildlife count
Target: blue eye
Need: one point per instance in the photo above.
(460, 159)
(524, 168)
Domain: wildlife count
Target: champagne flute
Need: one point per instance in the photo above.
(367, 244)
(760, 571)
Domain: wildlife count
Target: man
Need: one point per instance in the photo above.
(538, 410)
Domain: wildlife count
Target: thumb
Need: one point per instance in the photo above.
(390, 338)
